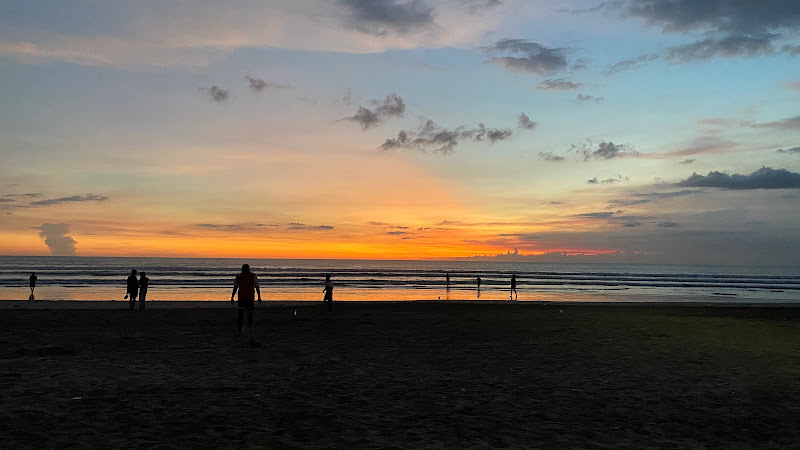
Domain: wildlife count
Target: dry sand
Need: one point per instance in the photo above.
(401, 375)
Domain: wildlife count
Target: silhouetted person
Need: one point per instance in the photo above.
(448, 280)
(32, 280)
(328, 290)
(133, 289)
(143, 283)
(246, 282)
(514, 287)
(478, 282)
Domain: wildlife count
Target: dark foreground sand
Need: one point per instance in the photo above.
(402, 375)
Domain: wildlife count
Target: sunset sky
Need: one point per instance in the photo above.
(662, 131)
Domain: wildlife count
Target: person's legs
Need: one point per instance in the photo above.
(239, 320)
(249, 321)
(132, 301)
(142, 296)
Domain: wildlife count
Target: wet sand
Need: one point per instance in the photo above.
(400, 375)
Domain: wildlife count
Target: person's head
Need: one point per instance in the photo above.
(327, 278)
(133, 272)
(245, 268)
(143, 275)
(33, 274)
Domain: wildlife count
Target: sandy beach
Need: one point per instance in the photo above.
(399, 375)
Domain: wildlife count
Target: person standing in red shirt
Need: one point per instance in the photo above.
(246, 282)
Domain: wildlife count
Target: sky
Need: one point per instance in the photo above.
(653, 131)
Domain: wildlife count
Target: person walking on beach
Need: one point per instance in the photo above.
(328, 290)
(513, 287)
(143, 283)
(448, 280)
(32, 280)
(246, 282)
(478, 282)
(133, 288)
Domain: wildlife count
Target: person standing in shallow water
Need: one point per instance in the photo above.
(246, 282)
(133, 289)
(514, 287)
(328, 290)
(144, 282)
(32, 280)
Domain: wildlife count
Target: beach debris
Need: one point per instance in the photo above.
(77, 398)
(295, 312)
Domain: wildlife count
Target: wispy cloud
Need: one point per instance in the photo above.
(302, 226)
(589, 98)
(793, 150)
(763, 178)
(392, 106)
(72, 199)
(686, 162)
(612, 180)
(524, 122)
(603, 150)
(631, 64)
(432, 137)
(791, 123)
(729, 47)
(560, 84)
(794, 85)
(216, 93)
(550, 156)
(526, 56)
(258, 84)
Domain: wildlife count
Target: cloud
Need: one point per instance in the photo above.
(74, 198)
(302, 226)
(604, 150)
(395, 233)
(729, 47)
(560, 84)
(613, 180)
(686, 162)
(258, 85)
(392, 106)
(793, 85)
(755, 17)
(630, 64)
(431, 137)
(633, 224)
(526, 56)
(738, 28)
(597, 215)
(524, 122)
(667, 224)
(589, 98)
(793, 50)
(550, 156)
(763, 178)
(791, 123)
(216, 93)
(672, 194)
(793, 150)
(7, 200)
(56, 239)
(384, 17)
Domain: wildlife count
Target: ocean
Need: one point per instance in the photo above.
(97, 278)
